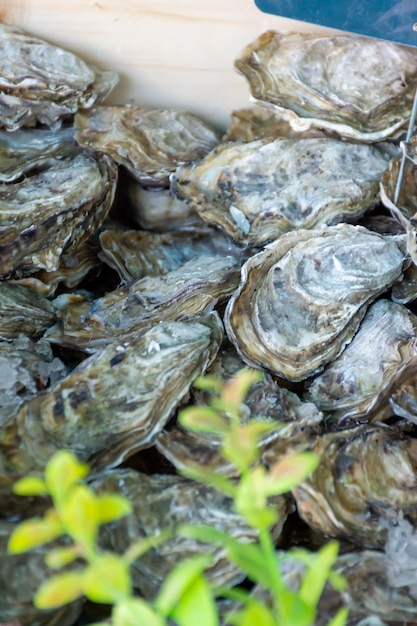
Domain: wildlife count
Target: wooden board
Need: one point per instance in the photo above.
(175, 53)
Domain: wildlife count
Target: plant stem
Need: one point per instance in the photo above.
(277, 585)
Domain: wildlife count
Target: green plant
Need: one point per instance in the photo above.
(185, 596)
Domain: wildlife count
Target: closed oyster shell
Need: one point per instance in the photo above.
(191, 289)
(403, 393)
(259, 190)
(20, 577)
(112, 404)
(166, 501)
(47, 214)
(360, 87)
(28, 149)
(23, 312)
(357, 381)
(151, 143)
(366, 475)
(405, 290)
(301, 300)
(135, 254)
(299, 423)
(42, 83)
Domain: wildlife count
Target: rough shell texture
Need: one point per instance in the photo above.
(113, 403)
(360, 87)
(191, 289)
(165, 501)
(27, 149)
(42, 83)
(299, 423)
(151, 143)
(357, 381)
(406, 201)
(403, 393)
(23, 311)
(259, 190)
(366, 475)
(45, 215)
(301, 300)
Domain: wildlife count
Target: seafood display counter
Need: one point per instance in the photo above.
(156, 225)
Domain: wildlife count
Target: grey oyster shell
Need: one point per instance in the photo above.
(135, 254)
(403, 393)
(360, 87)
(158, 210)
(42, 83)
(27, 149)
(151, 143)
(166, 501)
(112, 404)
(259, 190)
(47, 214)
(366, 476)
(298, 423)
(405, 290)
(190, 289)
(23, 312)
(355, 383)
(302, 299)
(20, 577)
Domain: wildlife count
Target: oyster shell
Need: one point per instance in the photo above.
(403, 393)
(360, 87)
(42, 83)
(405, 290)
(20, 577)
(191, 289)
(112, 404)
(23, 312)
(406, 202)
(357, 381)
(366, 475)
(151, 143)
(299, 422)
(166, 501)
(47, 214)
(28, 149)
(259, 190)
(135, 254)
(302, 299)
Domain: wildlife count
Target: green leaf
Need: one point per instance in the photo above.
(79, 516)
(202, 420)
(293, 610)
(135, 612)
(33, 533)
(107, 579)
(316, 576)
(337, 581)
(240, 448)
(111, 507)
(212, 479)
(196, 605)
(139, 548)
(208, 383)
(30, 486)
(236, 389)
(250, 496)
(62, 472)
(59, 590)
(340, 618)
(58, 557)
(290, 472)
(254, 613)
(178, 581)
(250, 559)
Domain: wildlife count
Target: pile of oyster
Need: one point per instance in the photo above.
(142, 248)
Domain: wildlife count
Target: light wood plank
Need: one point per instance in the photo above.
(175, 53)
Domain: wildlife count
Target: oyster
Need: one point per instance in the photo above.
(406, 202)
(42, 83)
(403, 393)
(135, 254)
(299, 423)
(20, 577)
(166, 501)
(151, 143)
(112, 404)
(302, 299)
(28, 149)
(405, 290)
(354, 384)
(47, 214)
(192, 288)
(23, 312)
(259, 190)
(360, 87)
(366, 475)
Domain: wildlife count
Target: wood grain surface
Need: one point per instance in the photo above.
(169, 53)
